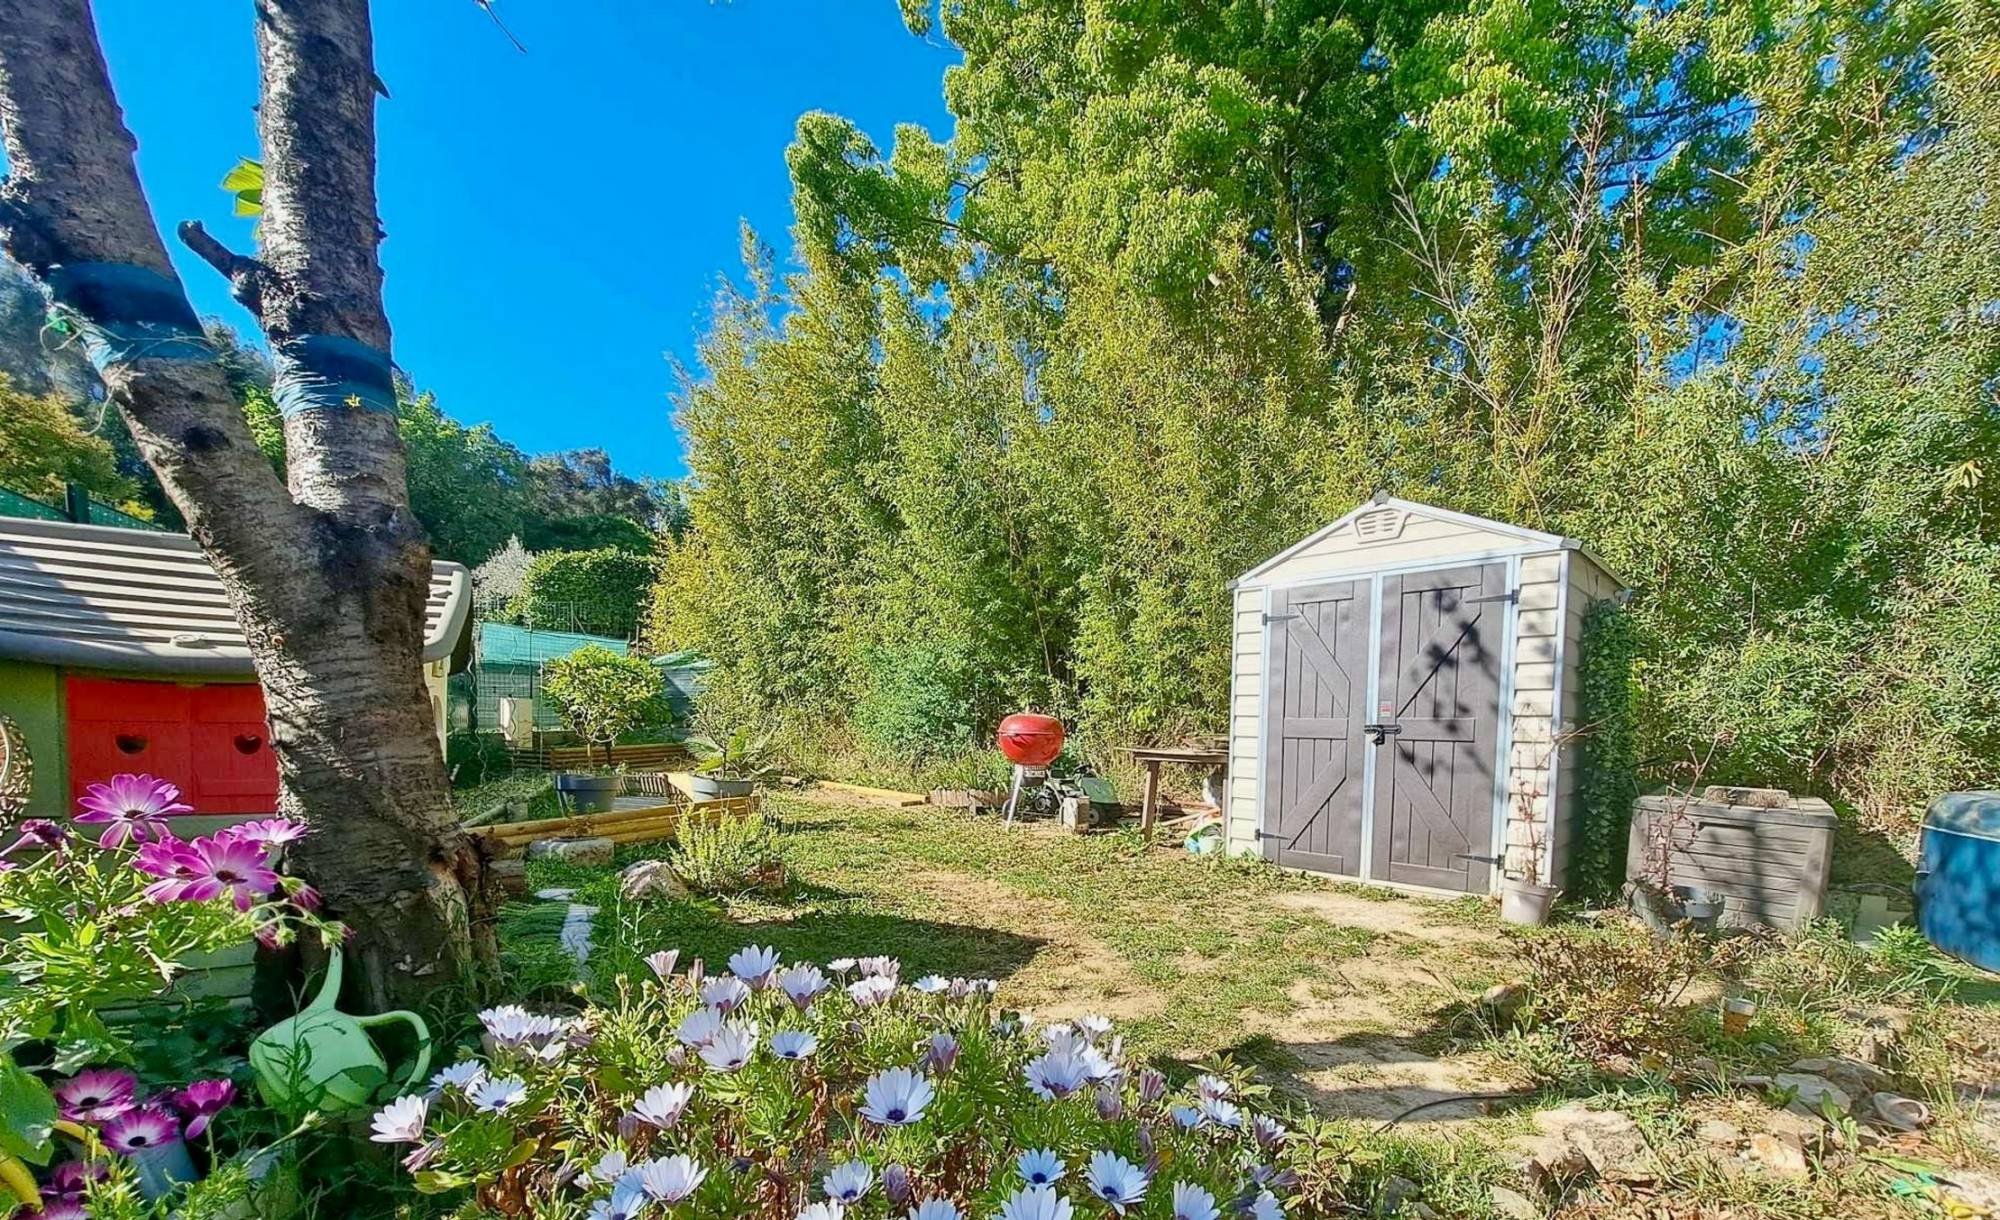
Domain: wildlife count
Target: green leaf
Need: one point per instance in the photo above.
(438, 1181)
(27, 1115)
(246, 182)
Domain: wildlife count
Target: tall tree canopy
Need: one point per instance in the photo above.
(1711, 286)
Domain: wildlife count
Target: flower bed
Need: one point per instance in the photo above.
(111, 926)
(826, 1094)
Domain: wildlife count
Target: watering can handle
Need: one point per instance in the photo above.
(423, 1062)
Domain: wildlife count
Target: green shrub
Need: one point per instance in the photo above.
(1608, 767)
(918, 701)
(599, 591)
(728, 856)
(601, 694)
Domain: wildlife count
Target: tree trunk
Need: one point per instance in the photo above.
(329, 578)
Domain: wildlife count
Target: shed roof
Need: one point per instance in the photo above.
(1356, 518)
(506, 644)
(103, 598)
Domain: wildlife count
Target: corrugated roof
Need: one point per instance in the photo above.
(103, 598)
(506, 644)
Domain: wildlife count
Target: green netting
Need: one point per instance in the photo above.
(505, 644)
(104, 514)
(14, 504)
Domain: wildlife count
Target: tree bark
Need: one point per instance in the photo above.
(329, 577)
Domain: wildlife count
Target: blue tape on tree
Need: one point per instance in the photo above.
(331, 372)
(124, 313)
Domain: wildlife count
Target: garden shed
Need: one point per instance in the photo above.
(119, 652)
(1403, 696)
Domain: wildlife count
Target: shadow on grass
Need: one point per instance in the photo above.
(811, 922)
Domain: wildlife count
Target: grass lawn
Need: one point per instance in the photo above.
(1355, 1004)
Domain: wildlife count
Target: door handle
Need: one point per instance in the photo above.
(1381, 733)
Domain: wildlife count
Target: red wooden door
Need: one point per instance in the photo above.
(234, 769)
(116, 727)
(210, 740)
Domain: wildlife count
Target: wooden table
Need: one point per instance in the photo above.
(1152, 758)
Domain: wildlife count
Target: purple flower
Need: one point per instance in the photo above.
(1222, 1113)
(174, 862)
(662, 963)
(1054, 1076)
(896, 1184)
(1212, 1088)
(931, 984)
(872, 989)
(271, 832)
(463, 1076)
(138, 1130)
(935, 1209)
(132, 807)
(1152, 1085)
(755, 965)
(1269, 1131)
(669, 1179)
(879, 967)
(1266, 1207)
(402, 1120)
(1036, 1203)
(802, 983)
(97, 1095)
(39, 834)
(725, 993)
(828, 1210)
(1093, 1026)
(57, 1209)
(699, 1027)
(730, 1049)
(661, 1105)
(1116, 1180)
(1191, 1202)
(201, 1101)
(235, 867)
(1110, 1103)
(496, 1095)
(794, 1044)
(896, 1098)
(841, 965)
(1188, 1117)
(940, 1053)
(72, 1179)
(848, 1182)
(1039, 1167)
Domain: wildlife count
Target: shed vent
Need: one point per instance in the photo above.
(1379, 525)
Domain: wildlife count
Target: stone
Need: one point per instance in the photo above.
(1813, 1096)
(575, 937)
(1502, 1001)
(511, 876)
(650, 880)
(1608, 1141)
(1783, 1155)
(1714, 1131)
(1511, 1204)
(1902, 1113)
(1855, 1078)
(588, 853)
(555, 895)
(1973, 1188)
(1395, 1193)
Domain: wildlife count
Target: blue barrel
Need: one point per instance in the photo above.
(1958, 883)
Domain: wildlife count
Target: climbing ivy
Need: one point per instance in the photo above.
(1608, 759)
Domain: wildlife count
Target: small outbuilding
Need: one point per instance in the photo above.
(1402, 699)
(119, 652)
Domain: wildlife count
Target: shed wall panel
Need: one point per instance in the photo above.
(1245, 722)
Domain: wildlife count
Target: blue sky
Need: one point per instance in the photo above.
(558, 221)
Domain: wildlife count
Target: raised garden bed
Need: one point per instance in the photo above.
(653, 808)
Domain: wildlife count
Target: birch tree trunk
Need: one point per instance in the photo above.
(328, 576)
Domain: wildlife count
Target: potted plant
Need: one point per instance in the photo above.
(600, 695)
(1524, 900)
(1655, 899)
(731, 766)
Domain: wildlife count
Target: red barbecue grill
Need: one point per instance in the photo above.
(1031, 742)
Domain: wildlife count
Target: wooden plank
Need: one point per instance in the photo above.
(880, 794)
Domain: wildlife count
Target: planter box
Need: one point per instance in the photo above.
(643, 825)
(1770, 864)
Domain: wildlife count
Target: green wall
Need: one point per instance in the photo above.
(32, 695)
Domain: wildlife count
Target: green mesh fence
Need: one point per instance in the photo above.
(14, 504)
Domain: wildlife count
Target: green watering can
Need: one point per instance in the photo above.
(324, 1059)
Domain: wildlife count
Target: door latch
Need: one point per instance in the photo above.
(1379, 734)
(1278, 618)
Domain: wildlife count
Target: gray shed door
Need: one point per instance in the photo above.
(1318, 659)
(1439, 687)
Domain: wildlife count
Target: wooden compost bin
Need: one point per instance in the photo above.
(1770, 863)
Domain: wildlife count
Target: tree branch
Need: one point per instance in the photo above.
(245, 274)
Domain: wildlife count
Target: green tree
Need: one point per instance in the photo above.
(43, 447)
(601, 694)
